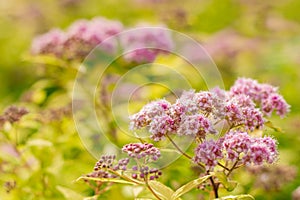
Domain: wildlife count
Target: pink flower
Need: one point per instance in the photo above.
(241, 146)
(145, 43)
(264, 94)
(147, 113)
(275, 102)
(142, 151)
(84, 35)
(237, 146)
(196, 125)
(220, 93)
(253, 119)
(160, 126)
(208, 153)
(240, 111)
(95, 31)
(49, 43)
(199, 102)
(235, 143)
(80, 38)
(187, 102)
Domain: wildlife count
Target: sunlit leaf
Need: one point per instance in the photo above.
(45, 59)
(112, 180)
(91, 198)
(237, 197)
(228, 184)
(272, 126)
(68, 193)
(39, 143)
(137, 190)
(163, 191)
(189, 186)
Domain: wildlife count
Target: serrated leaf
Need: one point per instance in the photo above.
(163, 191)
(275, 128)
(237, 197)
(112, 180)
(189, 186)
(68, 193)
(228, 184)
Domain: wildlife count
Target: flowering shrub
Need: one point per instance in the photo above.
(70, 107)
(242, 110)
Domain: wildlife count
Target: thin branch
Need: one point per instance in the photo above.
(124, 177)
(151, 190)
(214, 185)
(232, 168)
(238, 166)
(223, 166)
(177, 147)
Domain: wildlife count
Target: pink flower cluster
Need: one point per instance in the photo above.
(263, 94)
(240, 111)
(80, 38)
(185, 117)
(108, 162)
(208, 153)
(237, 146)
(49, 43)
(140, 151)
(244, 107)
(195, 125)
(139, 46)
(144, 44)
(194, 102)
(143, 172)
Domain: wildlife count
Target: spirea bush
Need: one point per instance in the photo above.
(227, 131)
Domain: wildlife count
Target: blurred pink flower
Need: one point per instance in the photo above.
(145, 43)
(49, 43)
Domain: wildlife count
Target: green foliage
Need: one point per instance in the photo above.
(189, 186)
(161, 190)
(228, 184)
(237, 197)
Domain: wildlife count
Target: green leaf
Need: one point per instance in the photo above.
(45, 59)
(112, 180)
(275, 128)
(136, 190)
(228, 184)
(91, 198)
(189, 186)
(68, 193)
(163, 191)
(237, 197)
(39, 143)
(231, 185)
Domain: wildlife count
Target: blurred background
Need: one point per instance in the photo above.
(255, 39)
